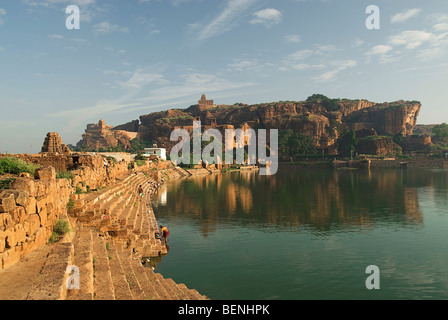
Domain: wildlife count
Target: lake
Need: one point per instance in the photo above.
(308, 234)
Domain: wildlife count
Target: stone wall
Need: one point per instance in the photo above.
(32, 206)
(28, 213)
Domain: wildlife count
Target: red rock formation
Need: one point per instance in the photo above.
(377, 145)
(323, 124)
(102, 137)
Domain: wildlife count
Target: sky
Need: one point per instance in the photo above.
(134, 57)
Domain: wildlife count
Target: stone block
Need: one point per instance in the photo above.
(2, 241)
(18, 215)
(41, 203)
(24, 184)
(41, 188)
(43, 215)
(7, 203)
(5, 221)
(45, 173)
(27, 247)
(10, 238)
(20, 234)
(32, 224)
(31, 206)
(10, 257)
(41, 238)
(20, 196)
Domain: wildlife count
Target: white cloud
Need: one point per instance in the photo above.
(224, 22)
(2, 13)
(337, 67)
(55, 36)
(267, 17)
(380, 50)
(441, 27)
(106, 27)
(292, 38)
(141, 78)
(242, 65)
(382, 53)
(411, 39)
(305, 66)
(405, 15)
(301, 54)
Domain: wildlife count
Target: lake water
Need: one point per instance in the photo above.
(308, 234)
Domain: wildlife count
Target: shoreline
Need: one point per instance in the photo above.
(371, 163)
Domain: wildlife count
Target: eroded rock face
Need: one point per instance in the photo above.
(53, 144)
(377, 146)
(320, 123)
(386, 118)
(101, 137)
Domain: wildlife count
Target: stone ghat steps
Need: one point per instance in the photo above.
(120, 212)
(108, 271)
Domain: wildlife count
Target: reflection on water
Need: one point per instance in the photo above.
(307, 218)
(322, 200)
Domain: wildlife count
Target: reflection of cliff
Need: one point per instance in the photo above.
(323, 200)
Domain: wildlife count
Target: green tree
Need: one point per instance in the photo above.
(283, 138)
(347, 143)
(292, 144)
(441, 132)
(300, 144)
(398, 138)
(329, 104)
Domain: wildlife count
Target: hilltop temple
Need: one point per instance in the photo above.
(205, 104)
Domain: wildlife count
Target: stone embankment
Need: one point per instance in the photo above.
(28, 212)
(112, 230)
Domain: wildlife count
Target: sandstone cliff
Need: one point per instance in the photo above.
(101, 137)
(324, 123)
(319, 117)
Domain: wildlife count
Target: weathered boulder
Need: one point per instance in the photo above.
(21, 196)
(7, 203)
(45, 173)
(25, 184)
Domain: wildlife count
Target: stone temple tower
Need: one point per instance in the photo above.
(205, 104)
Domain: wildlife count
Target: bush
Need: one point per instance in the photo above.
(15, 166)
(64, 175)
(140, 163)
(60, 229)
(329, 104)
(4, 184)
(70, 204)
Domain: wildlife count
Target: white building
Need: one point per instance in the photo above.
(159, 152)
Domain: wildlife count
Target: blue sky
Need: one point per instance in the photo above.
(135, 57)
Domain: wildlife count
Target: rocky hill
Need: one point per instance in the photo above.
(319, 117)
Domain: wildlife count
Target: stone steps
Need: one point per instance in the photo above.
(106, 255)
(116, 275)
(49, 283)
